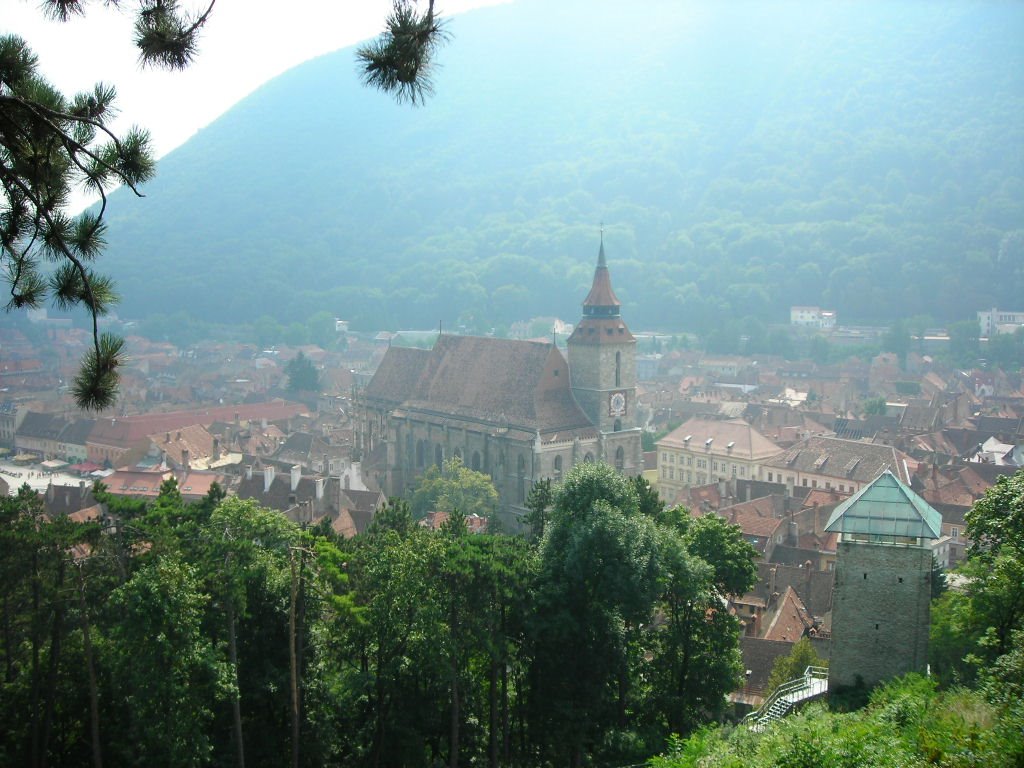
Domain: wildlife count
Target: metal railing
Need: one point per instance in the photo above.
(784, 698)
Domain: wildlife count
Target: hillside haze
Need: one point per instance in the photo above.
(742, 156)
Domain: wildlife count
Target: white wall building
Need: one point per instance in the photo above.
(995, 321)
(812, 317)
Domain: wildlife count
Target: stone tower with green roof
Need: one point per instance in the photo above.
(882, 590)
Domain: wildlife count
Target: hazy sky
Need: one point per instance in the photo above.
(245, 43)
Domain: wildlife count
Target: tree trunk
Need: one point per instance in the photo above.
(8, 644)
(94, 702)
(36, 642)
(492, 711)
(293, 663)
(453, 752)
(236, 699)
(55, 650)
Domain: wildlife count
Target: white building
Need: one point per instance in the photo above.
(995, 321)
(812, 317)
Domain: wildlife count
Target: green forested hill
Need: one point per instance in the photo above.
(743, 157)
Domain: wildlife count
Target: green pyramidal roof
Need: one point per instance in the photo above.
(886, 507)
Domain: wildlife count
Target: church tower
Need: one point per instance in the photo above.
(602, 357)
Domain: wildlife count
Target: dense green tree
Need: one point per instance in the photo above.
(874, 406)
(597, 584)
(973, 627)
(793, 664)
(302, 374)
(721, 545)
(248, 550)
(820, 350)
(897, 340)
(780, 343)
(964, 348)
(997, 519)
(538, 502)
(166, 668)
(454, 487)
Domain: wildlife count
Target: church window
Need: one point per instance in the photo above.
(558, 467)
(588, 459)
(620, 460)
(476, 461)
(618, 425)
(419, 453)
(556, 372)
(458, 453)
(618, 369)
(438, 455)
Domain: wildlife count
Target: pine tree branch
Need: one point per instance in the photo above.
(47, 115)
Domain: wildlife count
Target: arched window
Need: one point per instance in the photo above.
(618, 425)
(620, 458)
(457, 454)
(558, 467)
(438, 455)
(618, 369)
(476, 461)
(419, 453)
(589, 458)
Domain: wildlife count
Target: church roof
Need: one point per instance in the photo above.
(501, 381)
(886, 507)
(396, 376)
(601, 293)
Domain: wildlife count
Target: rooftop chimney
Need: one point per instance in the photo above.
(185, 457)
(248, 471)
(268, 477)
(319, 488)
(296, 476)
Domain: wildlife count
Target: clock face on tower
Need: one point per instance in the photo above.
(617, 404)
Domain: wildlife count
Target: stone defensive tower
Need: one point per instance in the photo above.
(602, 357)
(882, 589)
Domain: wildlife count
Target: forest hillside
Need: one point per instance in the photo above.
(743, 157)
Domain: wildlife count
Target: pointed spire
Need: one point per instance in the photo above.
(601, 301)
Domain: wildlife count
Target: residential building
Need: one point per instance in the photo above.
(833, 463)
(993, 321)
(702, 451)
(812, 317)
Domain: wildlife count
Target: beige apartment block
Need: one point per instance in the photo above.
(705, 451)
